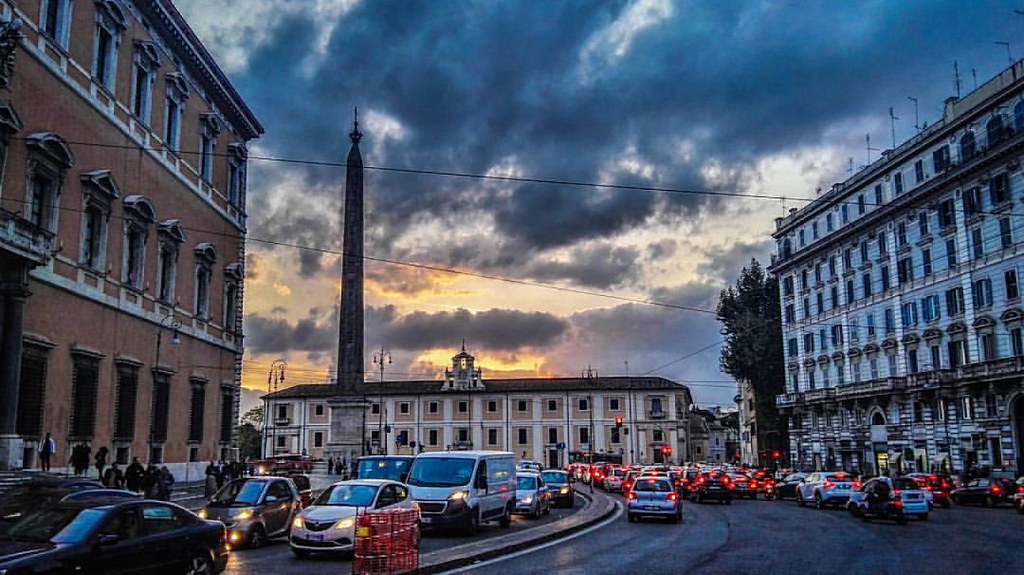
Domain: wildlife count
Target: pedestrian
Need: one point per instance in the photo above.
(133, 475)
(210, 487)
(220, 472)
(46, 450)
(149, 481)
(101, 461)
(114, 478)
(330, 465)
(165, 484)
(80, 458)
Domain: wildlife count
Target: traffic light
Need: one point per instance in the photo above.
(666, 450)
(618, 422)
(776, 455)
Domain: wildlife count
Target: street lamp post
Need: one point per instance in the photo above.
(379, 359)
(167, 322)
(275, 377)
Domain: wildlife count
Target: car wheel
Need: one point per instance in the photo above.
(631, 518)
(799, 498)
(257, 538)
(506, 520)
(1020, 509)
(945, 504)
(728, 501)
(923, 516)
(300, 553)
(473, 524)
(675, 518)
(818, 503)
(901, 520)
(199, 565)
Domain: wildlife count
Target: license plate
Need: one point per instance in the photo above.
(652, 508)
(426, 520)
(315, 537)
(714, 488)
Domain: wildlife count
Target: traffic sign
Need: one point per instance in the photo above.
(561, 445)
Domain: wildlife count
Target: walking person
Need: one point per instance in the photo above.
(133, 475)
(210, 487)
(149, 481)
(80, 458)
(114, 478)
(165, 484)
(46, 450)
(101, 462)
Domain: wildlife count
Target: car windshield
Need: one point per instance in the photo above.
(56, 525)
(381, 468)
(555, 477)
(239, 493)
(658, 485)
(347, 496)
(16, 504)
(441, 471)
(906, 483)
(526, 483)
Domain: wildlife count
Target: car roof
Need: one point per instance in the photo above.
(522, 473)
(373, 482)
(555, 471)
(464, 454)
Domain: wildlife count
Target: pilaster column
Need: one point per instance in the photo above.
(12, 319)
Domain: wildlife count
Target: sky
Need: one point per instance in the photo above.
(562, 185)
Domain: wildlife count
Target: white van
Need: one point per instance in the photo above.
(464, 488)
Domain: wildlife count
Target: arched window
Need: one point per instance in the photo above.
(967, 147)
(994, 130)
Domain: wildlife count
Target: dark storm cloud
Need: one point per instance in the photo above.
(318, 332)
(474, 84)
(495, 329)
(728, 262)
(598, 266)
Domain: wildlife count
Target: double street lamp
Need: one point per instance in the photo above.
(275, 377)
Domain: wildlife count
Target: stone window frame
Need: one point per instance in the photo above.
(139, 216)
(145, 64)
(110, 21)
(238, 157)
(196, 422)
(99, 191)
(176, 97)
(49, 159)
(58, 31)
(234, 275)
(205, 258)
(170, 237)
(210, 126)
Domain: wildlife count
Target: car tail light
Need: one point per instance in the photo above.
(753, 484)
(631, 496)
(896, 492)
(701, 479)
(1020, 489)
(672, 497)
(828, 485)
(898, 503)
(856, 485)
(996, 489)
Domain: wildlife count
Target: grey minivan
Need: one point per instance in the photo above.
(254, 509)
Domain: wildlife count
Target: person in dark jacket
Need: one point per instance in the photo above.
(165, 484)
(80, 458)
(114, 478)
(101, 462)
(149, 481)
(133, 475)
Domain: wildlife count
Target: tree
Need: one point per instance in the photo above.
(751, 317)
(253, 417)
(249, 440)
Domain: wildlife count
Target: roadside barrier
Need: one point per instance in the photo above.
(387, 543)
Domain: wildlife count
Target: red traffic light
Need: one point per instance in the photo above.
(775, 454)
(666, 450)
(618, 422)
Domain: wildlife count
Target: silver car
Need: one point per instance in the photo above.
(824, 488)
(533, 497)
(254, 509)
(328, 524)
(654, 496)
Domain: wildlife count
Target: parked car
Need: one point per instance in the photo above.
(37, 494)
(464, 488)
(393, 467)
(743, 485)
(940, 486)
(886, 498)
(654, 496)
(1018, 495)
(113, 536)
(328, 524)
(712, 486)
(990, 492)
(562, 486)
(613, 479)
(533, 498)
(255, 509)
(786, 488)
(826, 488)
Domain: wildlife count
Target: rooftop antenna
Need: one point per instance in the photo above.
(867, 140)
(1009, 56)
(956, 76)
(849, 170)
(917, 118)
(892, 125)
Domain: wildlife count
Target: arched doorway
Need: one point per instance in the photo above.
(880, 442)
(1017, 421)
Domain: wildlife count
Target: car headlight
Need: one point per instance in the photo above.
(527, 500)
(261, 471)
(564, 490)
(297, 522)
(202, 515)
(460, 495)
(345, 523)
(243, 515)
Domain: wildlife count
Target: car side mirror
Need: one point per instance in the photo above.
(108, 539)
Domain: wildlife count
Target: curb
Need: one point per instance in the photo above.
(542, 536)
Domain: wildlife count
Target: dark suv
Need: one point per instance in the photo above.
(712, 486)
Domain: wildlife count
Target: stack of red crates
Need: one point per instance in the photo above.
(387, 543)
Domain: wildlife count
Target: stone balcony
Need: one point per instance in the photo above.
(24, 239)
(993, 368)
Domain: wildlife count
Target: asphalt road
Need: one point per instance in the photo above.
(780, 537)
(276, 557)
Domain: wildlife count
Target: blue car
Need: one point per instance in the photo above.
(654, 497)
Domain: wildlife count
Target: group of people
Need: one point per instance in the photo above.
(217, 473)
(337, 466)
(152, 481)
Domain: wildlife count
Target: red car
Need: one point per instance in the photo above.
(940, 486)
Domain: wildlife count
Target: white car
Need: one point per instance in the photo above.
(328, 524)
(824, 488)
(533, 497)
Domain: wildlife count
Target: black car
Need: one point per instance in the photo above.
(987, 491)
(38, 493)
(712, 486)
(786, 488)
(113, 536)
(562, 486)
(743, 486)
